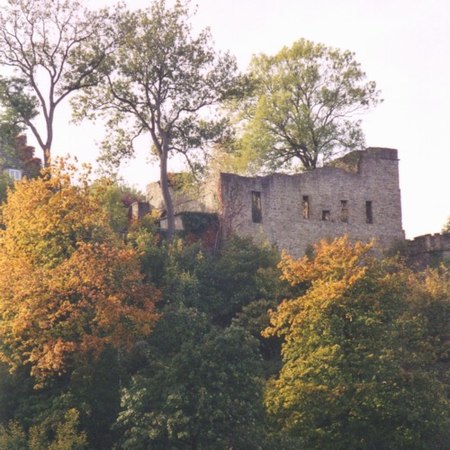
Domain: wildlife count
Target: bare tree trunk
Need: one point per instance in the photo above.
(164, 181)
(47, 158)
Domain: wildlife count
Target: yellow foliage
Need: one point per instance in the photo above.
(335, 267)
(68, 286)
(332, 261)
(46, 217)
(361, 345)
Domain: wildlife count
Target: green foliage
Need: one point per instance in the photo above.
(201, 388)
(144, 238)
(54, 48)
(64, 435)
(93, 389)
(299, 113)
(12, 437)
(218, 284)
(446, 227)
(356, 365)
(254, 317)
(14, 152)
(20, 105)
(9, 129)
(163, 78)
(222, 284)
(5, 183)
(430, 299)
(242, 273)
(116, 200)
(198, 223)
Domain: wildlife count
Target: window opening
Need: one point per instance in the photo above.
(305, 207)
(256, 207)
(326, 215)
(15, 174)
(369, 212)
(344, 211)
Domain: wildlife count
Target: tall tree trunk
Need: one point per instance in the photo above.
(47, 157)
(164, 181)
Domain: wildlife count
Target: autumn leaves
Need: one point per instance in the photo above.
(69, 286)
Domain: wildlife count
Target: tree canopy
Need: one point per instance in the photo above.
(199, 388)
(301, 107)
(53, 48)
(163, 80)
(112, 336)
(68, 287)
(356, 359)
(446, 227)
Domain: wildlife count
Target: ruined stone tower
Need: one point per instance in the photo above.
(358, 195)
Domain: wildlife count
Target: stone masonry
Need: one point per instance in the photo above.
(428, 250)
(359, 196)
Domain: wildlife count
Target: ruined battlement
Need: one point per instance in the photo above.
(357, 195)
(351, 162)
(428, 250)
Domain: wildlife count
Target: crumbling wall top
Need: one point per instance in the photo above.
(429, 243)
(351, 161)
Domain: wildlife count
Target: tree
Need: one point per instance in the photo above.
(116, 198)
(200, 388)
(92, 387)
(446, 227)
(14, 151)
(356, 372)
(64, 435)
(430, 299)
(302, 104)
(68, 287)
(241, 273)
(54, 48)
(5, 183)
(163, 79)
(10, 128)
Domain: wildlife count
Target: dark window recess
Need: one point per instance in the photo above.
(344, 211)
(326, 215)
(369, 212)
(256, 207)
(305, 207)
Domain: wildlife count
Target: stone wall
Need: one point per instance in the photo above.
(138, 210)
(182, 202)
(359, 196)
(428, 250)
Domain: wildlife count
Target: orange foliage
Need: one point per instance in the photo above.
(335, 267)
(336, 260)
(68, 287)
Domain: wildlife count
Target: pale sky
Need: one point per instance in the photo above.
(403, 45)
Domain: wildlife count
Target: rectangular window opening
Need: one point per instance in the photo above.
(369, 212)
(256, 207)
(305, 207)
(15, 174)
(326, 215)
(344, 211)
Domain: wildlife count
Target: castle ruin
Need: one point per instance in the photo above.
(357, 195)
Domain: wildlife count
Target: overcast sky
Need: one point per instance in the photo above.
(403, 45)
